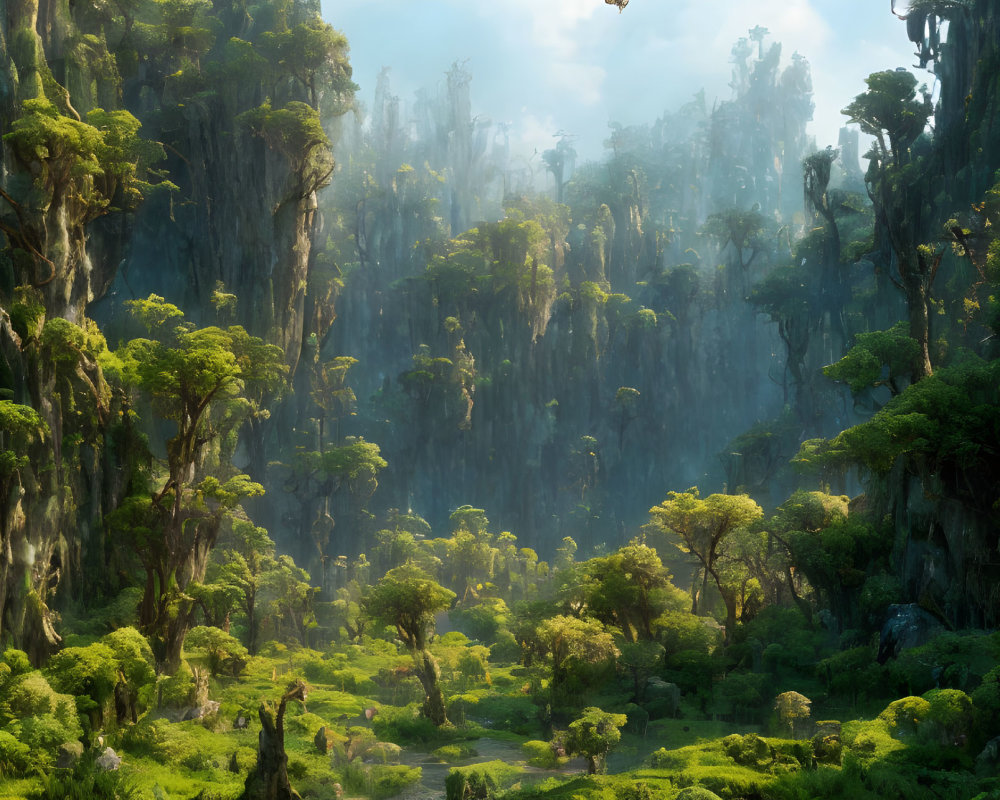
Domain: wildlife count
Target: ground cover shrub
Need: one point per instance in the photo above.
(541, 754)
(15, 756)
(223, 652)
(379, 781)
(452, 753)
(480, 781)
(177, 690)
(88, 782)
(34, 714)
(517, 713)
(405, 726)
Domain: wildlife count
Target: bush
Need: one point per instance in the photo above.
(749, 750)
(38, 717)
(88, 782)
(540, 754)
(451, 753)
(904, 716)
(696, 793)
(224, 652)
(511, 713)
(177, 690)
(390, 780)
(15, 757)
(18, 662)
(950, 712)
(480, 781)
(404, 726)
(91, 671)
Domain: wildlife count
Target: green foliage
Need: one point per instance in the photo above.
(404, 726)
(450, 753)
(177, 690)
(89, 160)
(294, 131)
(37, 716)
(877, 358)
(480, 781)
(890, 108)
(944, 420)
(87, 781)
(904, 716)
(20, 427)
(483, 621)
(986, 702)
(134, 657)
(407, 599)
(593, 735)
(90, 671)
(17, 661)
(15, 757)
(629, 589)
(225, 653)
(540, 754)
(950, 710)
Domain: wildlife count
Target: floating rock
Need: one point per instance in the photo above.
(906, 626)
(109, 760)
(69, 754)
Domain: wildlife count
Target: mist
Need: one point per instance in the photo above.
(576, 65)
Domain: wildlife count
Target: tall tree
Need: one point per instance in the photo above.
(207, 382)
(891, 112)
(408, 599)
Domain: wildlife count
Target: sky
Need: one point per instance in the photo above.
(549, 66)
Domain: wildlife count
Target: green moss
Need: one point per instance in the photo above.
(480, 781)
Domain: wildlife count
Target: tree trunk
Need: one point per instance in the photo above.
(916, 301)
(427, 672)
(269, 779)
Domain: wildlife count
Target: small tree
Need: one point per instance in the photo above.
(571, 643)
(407, 599)
(702, 524)
(594, 735)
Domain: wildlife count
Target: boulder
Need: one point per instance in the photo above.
(109, 760)
(384, 753)
(662, 699)
(906, 626)
(69, 754)
(988, 761)
(207, 709)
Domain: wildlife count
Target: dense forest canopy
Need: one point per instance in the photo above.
(344, 446)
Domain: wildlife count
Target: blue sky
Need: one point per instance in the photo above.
(575, 65)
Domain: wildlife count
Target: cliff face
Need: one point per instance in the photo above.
(565, 367)
(942, 503)
(96, 211)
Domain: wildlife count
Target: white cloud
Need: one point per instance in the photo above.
(557, 42)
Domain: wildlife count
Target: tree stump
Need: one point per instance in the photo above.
(269, 779)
